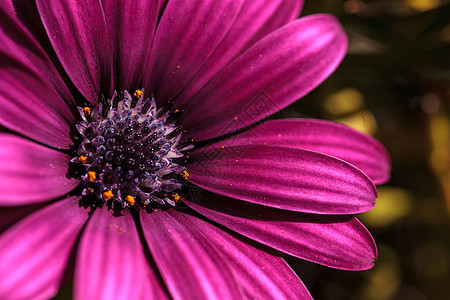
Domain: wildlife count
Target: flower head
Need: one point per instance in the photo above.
(133, 156)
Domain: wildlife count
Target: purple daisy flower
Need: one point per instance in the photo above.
(101, 178)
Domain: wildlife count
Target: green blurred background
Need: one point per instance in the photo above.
(395, 85)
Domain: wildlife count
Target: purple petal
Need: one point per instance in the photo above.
(19, 21)
(161, 5)
(340, 242)
(77, 31)
(275, 72)
(27, 19)
(34, 252)
(110, 260)
(31, 105)
(131, 25)
(255, 20)
(329, 138)
(261, 275)
(11, 214)
(189, 264)
(37, 111)
(180, 50)
(31, 173)
(282, 177)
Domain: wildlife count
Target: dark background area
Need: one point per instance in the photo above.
(395, 85)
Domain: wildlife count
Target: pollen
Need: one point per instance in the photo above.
(87, 110)
(82, 159)
(176, 197)
(92, 175)
(138, 93)
(108, 194)
(130, 199)
(184, 174)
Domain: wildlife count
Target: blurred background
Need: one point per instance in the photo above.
(395, 85)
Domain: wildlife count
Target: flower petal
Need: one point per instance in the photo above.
(77, 31)
(275, 72)
(32, 108)
(31, 104)
(162, 5)
(22, 39)
(189, 265)
(282, 177)
(11, 214)
(111, 262)
(179, 50)
(326, 137)
(131, 25)
(262, 275)
(340, 242)
(31, 173)
(255, 20)
(36, 250)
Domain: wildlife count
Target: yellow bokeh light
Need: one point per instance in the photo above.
(392, 204)
(422, 5)
(344, 102)
(363, 121)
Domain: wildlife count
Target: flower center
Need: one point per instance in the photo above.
(131, 151)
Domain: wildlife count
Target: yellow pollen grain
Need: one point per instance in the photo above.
(138, 93)
(178, 67)
(130, 199)
(108, 194)
(92, 176)
(184, 174)
(176, 197)
(82, 159)
(87, 110)
(235, 118)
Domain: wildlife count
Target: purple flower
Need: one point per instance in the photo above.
(97, 166)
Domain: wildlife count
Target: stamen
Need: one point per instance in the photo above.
(87, 110)
(176, 197)
(108, 194)
(92, 176)
(138, 93)
(134, 149)
(184, 174)
(130, 199)
(82, 159)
